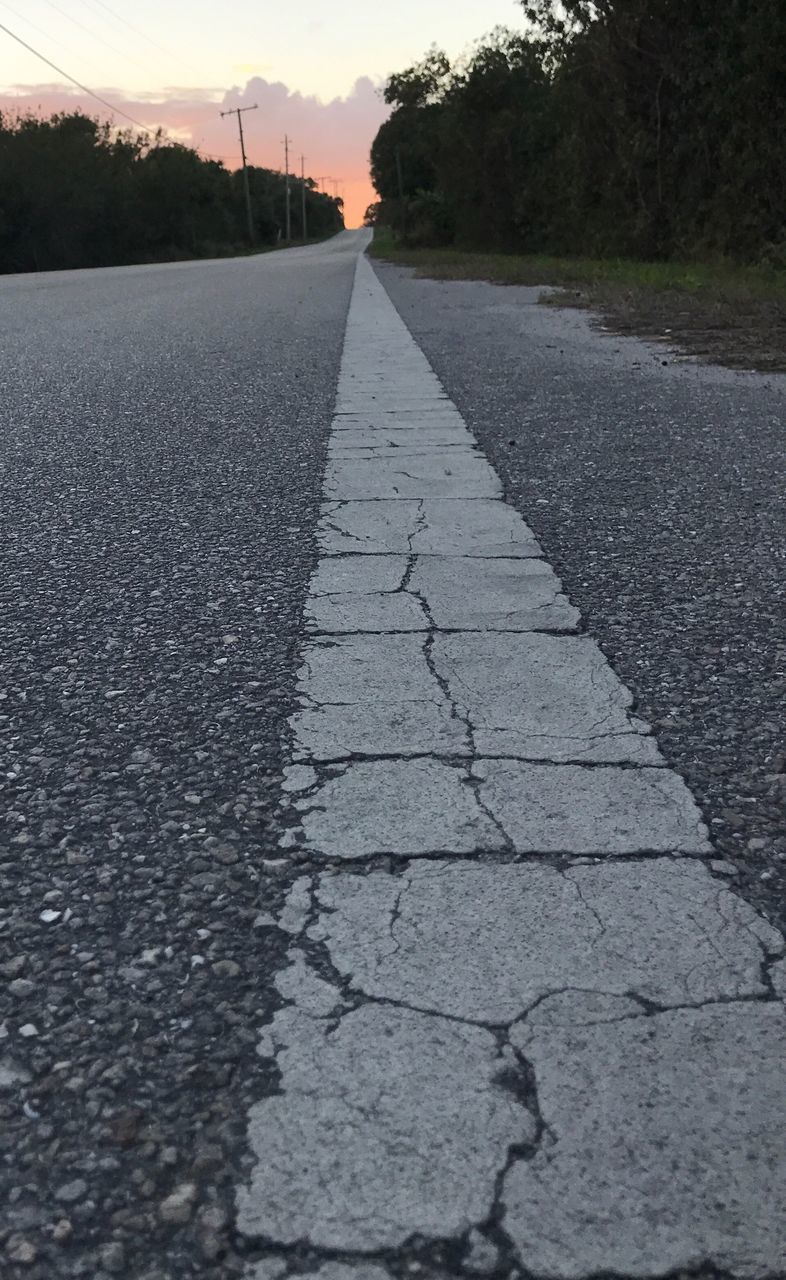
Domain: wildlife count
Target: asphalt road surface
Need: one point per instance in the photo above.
(355, 923)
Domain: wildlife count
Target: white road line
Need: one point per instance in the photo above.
(520, 1012)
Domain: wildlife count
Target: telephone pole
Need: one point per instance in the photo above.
(286, 171)
(399, 175)
(238, 111)
(402, 204)
(303, 193)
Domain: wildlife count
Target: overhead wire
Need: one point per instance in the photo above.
(23, 18)
(169, 53)
(104, 103)
(70, 18)
(92, 94)
(144, 34)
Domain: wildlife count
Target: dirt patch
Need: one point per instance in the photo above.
(726, 314)
(737, 333)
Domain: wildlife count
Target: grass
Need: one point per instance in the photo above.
(722, 313)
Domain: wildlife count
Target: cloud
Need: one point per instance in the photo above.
(334, 136)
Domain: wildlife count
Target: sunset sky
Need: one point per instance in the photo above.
(314, 69)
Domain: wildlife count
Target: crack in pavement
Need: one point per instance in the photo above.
(528, 1001)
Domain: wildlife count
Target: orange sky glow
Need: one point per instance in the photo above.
(316, 73)
(339, 132)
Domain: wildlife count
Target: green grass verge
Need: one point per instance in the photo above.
(727, 279)
(720, 313)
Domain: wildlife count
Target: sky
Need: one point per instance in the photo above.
(314, 70)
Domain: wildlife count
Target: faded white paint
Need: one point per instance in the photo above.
(481, 975)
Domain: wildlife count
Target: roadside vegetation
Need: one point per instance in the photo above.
(75, 192)
(727, 314)
(627, 151)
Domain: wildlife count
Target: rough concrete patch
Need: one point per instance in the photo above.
(668, 1140)
(387, 401)
(605, 810)
(301, 985)
(401, 450)
(778, 978)
(388, 1124)
(298, 778)
(474, 529)
(357, 575)
(370, 528)
(349, 1271)
(546, 697)
(446, 416)
(431, 526)
(466, 476)
(404, 807)
(487, 942)
(373, 695)
(266, 1269)
(344, 614)
(397, 436)
(297, 908)
(365, 380)
(467, 594)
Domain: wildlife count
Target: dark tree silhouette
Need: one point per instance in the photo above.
(649, 128)
(75, 192)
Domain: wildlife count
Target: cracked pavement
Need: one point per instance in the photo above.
(355, 925)
(525, 1024)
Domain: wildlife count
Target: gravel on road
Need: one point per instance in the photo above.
(162, 439)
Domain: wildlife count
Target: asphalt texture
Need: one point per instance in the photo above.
(162, 439)
(164, 446)
(656, 488)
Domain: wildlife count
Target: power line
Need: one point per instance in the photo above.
(78, 83)
(90, 92)
(35, 26)
(122, 53)
(161, 48)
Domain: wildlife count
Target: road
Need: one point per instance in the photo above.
(355, 923)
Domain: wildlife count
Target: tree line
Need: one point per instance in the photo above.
(75, 192)
(641, 128)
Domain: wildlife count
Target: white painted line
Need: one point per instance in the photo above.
(426, 526)
(518, 1011)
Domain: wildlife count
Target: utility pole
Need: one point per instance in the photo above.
(238, 111)
(303, 193)
(286, 171)
(402, 204)
(399, 175)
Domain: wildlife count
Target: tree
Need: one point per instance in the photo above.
(75, 192)
(648, 128)
(419, 85)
